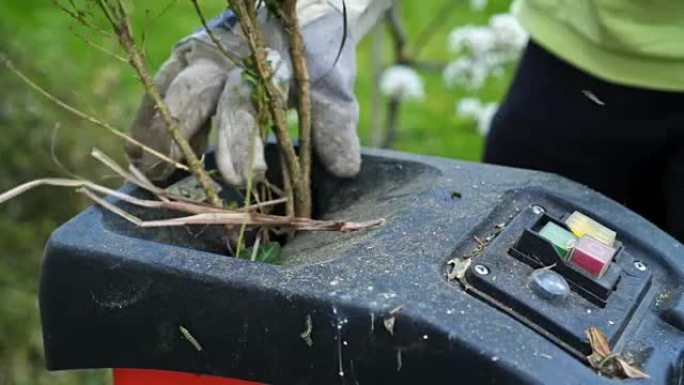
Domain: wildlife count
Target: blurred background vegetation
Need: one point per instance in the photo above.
(48, 46)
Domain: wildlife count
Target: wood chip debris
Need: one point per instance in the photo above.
(186, 334)
(308, 328)
(390, 320)
(459, 266)
(591, 96)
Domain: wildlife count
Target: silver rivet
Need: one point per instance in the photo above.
(537, 209)
(640, 266)
(481, 269)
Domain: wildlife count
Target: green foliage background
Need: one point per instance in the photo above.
(44, 43)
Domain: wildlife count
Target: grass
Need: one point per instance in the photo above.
(42, 41)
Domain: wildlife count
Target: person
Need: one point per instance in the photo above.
(599, 97)
(198, 81)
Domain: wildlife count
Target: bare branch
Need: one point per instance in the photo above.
(255, 219)
(275, 103)
(301, 74)
(115, 12)
(80, 17)
(232, 58)
(100, 48)
(85, 116)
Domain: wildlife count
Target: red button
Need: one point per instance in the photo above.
(592, 256)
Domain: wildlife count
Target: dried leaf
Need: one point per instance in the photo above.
(599, 343)
(630, 370)
(606, 362)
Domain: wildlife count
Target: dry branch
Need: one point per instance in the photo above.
(79, 16)
(262, 220)
(117, 16)
(232, 58)
(247, 17)
(203, 215)
(301, 74)
(186, 207)
(85, 116)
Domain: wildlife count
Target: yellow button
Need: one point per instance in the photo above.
(582, 225)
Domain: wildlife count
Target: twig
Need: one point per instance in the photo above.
(276, 107)
(100, 48)
(398, 33)
(120, 212)
(79, 16)
(255, 248)
(85, 116)
(233, 59)
(138, 178)
(376, 95)
(428, 33)
(250, 184)
(143, 35)
(255, 219)
(119, 20)
(301, 75)
(130, 177)
(208, 216)
(287, 186)
(186, 207)
(53, 154)
(393, 110)
(402, 56)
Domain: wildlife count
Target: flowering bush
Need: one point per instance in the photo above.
(480, 52)
(482, 113)
(483, 51)
(402, 82)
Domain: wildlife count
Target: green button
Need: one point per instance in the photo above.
(561, 239)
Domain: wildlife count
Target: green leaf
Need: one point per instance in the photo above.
(270, 252)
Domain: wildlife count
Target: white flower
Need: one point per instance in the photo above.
(484, 119)
(478, 5)
(402, 82)
(469, 108)
(507, 32)
(473, 109)
(475, 40)
(468, 72)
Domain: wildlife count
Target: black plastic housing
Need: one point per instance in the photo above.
(113, 295)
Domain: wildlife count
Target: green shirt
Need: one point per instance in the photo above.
(630, 42)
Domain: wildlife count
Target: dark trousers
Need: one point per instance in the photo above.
(625, 142)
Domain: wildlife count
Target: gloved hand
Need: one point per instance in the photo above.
(197, 81)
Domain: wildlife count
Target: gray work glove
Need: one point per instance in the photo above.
(198, 82)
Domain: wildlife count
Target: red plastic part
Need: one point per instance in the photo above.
(162, 377)
(592, 256)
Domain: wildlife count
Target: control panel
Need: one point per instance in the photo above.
(560, 274)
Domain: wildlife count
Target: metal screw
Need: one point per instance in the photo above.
(537, 209)
(640, 266)
(481, 269)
